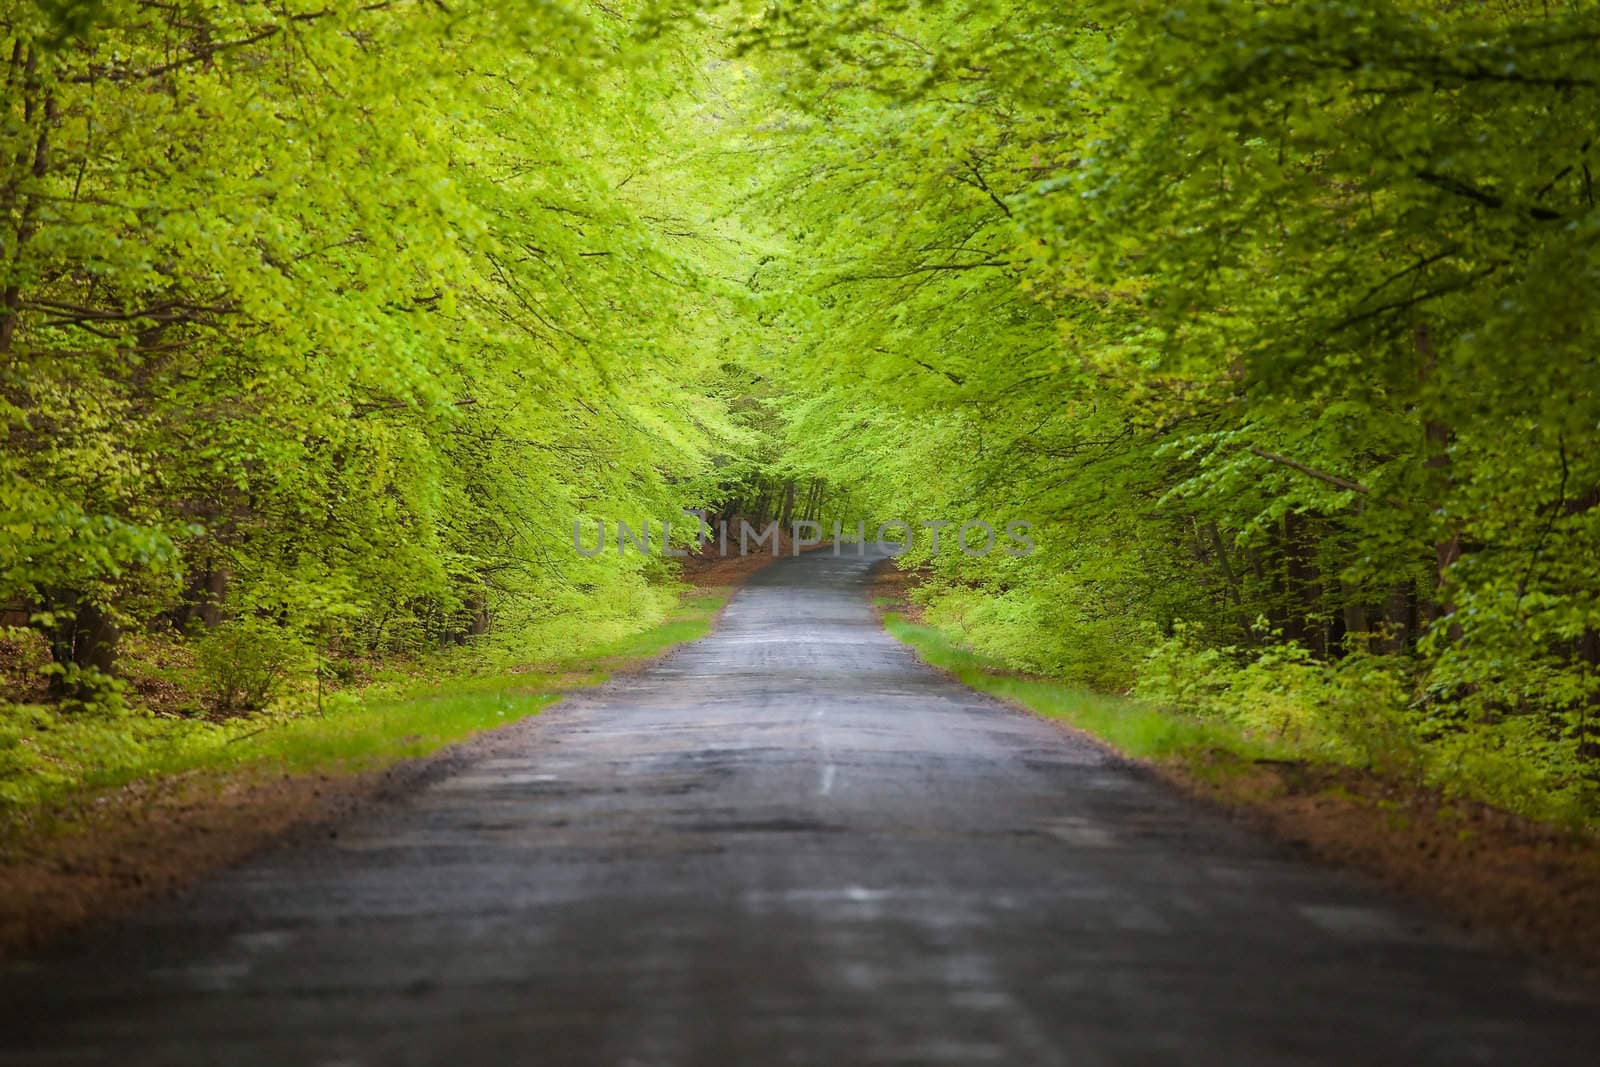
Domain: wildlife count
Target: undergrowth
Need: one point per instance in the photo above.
(1214, 708)
(51, 753)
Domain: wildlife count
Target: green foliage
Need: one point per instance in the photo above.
(337, 315)
(1258, 311)
(1354, 710)
(244, 662)
(51, 754)
(1131, 726)
(1062, 634)
(1359, 710)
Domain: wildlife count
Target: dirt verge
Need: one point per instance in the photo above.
(1522, 883)
(102, 857)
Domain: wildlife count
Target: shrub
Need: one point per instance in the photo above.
(1355, 710)
(1042, 635)
(244, 662)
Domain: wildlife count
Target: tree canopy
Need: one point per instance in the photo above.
(1276, 320)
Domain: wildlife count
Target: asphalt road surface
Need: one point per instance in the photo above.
(789, 843)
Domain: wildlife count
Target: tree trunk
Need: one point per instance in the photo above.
(787, 515)
(1302, 585)
(1231, 585)
(1436, 440)
(203, 598)
(1354, 614)
(1402, 620)
(83, 635)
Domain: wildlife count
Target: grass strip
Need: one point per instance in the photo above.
(1132, 728)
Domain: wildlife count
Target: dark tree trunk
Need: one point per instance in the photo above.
(1436, 450)
(1232, 588)
(787, 515)
(1354, 616)
(83, 635)
(1302, 585)
(203, 598)
(1402, 619)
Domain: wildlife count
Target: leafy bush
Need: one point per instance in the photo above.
(1361, 710)
(93, 690)
(244, 662)
(1354, 710)
(1518, 764)
(49, 751)
(1056, 635)
(1179, 674)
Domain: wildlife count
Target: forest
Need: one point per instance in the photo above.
(323, 322)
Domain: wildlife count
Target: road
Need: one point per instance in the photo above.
(789, 843)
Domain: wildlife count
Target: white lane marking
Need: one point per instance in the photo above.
(217, 976)
(469, 782)
(263, 940)
(827, 780)
(863, 895)
(1370, 924)
(1080, 832)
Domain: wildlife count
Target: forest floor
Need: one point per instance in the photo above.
(95, 855)
(1532, 886)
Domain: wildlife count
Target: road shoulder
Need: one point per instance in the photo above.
(101, 855)
(1516, 882)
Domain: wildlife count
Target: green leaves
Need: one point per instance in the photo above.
(1275, 319)
(1266, 312)
(342, 311)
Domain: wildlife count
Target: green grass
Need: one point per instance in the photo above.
(689, 622)
(49, 758)
(1133, 729)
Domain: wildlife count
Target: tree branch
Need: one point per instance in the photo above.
(1321, 476)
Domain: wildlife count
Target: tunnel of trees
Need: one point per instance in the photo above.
(321, 321)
